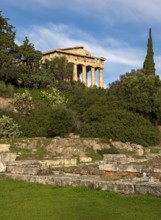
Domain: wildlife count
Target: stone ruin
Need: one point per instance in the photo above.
(137, 171)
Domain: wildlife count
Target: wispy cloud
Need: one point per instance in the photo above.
(118, 56)
(143, 10)
(59, 36)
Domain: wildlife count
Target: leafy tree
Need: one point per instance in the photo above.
(139, 93)
(42, 78)
(28, 55)
(60, 69)
(7, 50)
(149, 65)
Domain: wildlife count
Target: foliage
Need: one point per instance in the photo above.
(119, 125)
(63, 121)
(28, 55)
(7, 50)
(8, 128)
(40, 79)
(60, 69)
(36, 123)
(139, 93)
(23, 102)
(149, 65)
(54, 97)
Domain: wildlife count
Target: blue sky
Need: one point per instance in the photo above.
(114, 29)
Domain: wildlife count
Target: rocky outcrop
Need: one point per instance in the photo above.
(135, 148)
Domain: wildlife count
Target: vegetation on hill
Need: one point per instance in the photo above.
(149, 65)
(49, 104)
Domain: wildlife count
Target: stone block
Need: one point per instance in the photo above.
(85, 159)
(2, 167)
(8, 157)
(4, 148)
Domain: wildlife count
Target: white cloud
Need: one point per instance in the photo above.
(119, 57)
(144, 10)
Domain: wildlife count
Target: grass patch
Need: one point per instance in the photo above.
(111, 150)
(91, 153)
(24, 201)
(154, 150)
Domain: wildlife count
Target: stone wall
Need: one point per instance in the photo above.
(153, 189)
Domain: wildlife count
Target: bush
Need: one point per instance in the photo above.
(5, 90)
(37, 122)
(23, 102)
(54, 97)
(119, 125)
(9, 128)
(62, 122)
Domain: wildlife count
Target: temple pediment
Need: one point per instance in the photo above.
(76, 50)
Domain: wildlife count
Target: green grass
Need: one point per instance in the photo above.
(26, 201)
(91, 153)
(154, 150)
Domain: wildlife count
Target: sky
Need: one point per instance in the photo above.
(114, 29)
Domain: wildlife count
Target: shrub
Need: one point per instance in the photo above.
(54, 97)
(9, 128)
(37, 122)
(23, 102)
(6, 90)
(62, 122)
(119, 125)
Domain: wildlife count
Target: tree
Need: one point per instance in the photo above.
(60, 69)
(139, 93)
(28, 55)
(149, 65)
(7, 50)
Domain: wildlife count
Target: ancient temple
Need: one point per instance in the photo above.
(85, 65)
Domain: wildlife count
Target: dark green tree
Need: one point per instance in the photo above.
(7, 50)
(139, 93)
(28, 55)
(60, 69)
(149, 65)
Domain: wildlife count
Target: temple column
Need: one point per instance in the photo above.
(93, 78)
(100, 80)
(75, 73)
(84, 74)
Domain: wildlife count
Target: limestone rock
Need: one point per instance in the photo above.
(4, 148)
(2, 167)
(85, 159)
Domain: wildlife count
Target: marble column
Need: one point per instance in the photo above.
(84, 74)
(75, 73)
(93, 78)
(100, 80)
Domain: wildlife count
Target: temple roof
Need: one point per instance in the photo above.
(79, 51)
